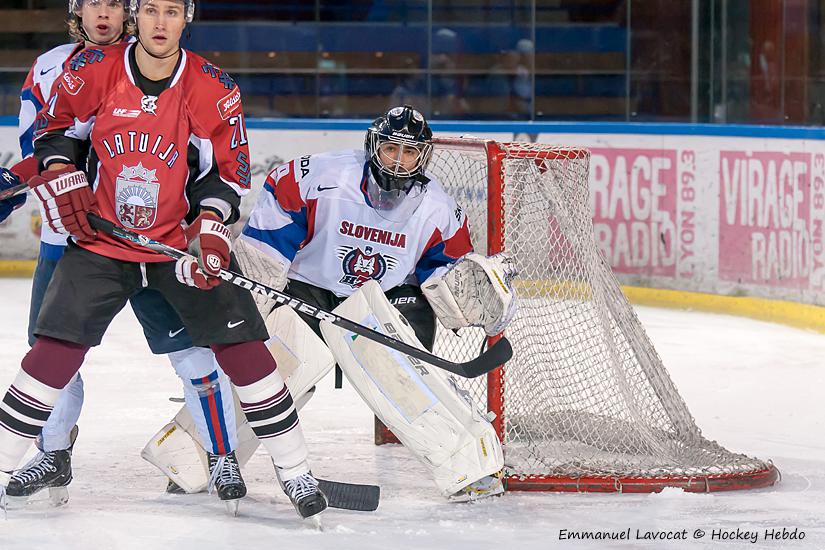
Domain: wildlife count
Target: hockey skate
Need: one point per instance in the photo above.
(305, 496)
(225, 477)
(50, 470)
(487, 486)
(47, 470)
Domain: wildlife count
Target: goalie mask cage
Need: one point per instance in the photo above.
(585, 404)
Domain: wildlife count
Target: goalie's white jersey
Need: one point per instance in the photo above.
(314, 215)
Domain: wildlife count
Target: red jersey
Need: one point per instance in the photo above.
(153, 159)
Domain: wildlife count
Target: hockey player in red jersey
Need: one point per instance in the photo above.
(143, 109)
(99, 24)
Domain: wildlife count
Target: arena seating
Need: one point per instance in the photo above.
(296, 67)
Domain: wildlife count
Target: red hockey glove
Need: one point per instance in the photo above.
(211, 241)
(66, 198)
(189, 272)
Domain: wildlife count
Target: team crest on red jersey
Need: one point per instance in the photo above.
(360, 266)
(136, 197)
(72, 83)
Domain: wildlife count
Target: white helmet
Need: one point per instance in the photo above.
(188, 4)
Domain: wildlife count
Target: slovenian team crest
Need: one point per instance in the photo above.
(360, 266)
(136, 197)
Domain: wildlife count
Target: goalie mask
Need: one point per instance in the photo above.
(189, 6)
(398, 146)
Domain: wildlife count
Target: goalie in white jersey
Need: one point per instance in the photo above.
(355, 231)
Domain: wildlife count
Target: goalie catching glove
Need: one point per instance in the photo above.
(474, 291)
(210, 241)
(66, 197)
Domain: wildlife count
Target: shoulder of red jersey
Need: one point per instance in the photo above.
(93, 67)
(209, 84)
(96, 58)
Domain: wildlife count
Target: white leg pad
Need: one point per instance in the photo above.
(302, 357)
(420, 403)
(176, 453)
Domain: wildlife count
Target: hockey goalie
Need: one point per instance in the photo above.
(372, 237)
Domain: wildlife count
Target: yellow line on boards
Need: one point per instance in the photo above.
(17, 268)
(794, 314)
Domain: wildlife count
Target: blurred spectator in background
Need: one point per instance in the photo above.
(448, 87)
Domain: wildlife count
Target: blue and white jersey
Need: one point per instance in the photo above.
(36, 92)
(314, 215)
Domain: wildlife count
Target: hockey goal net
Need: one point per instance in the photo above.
(585, 404)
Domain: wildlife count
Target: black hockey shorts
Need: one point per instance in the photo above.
(162, 327)
(407, 299)
(88, 290)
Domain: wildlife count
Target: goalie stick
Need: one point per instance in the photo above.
(13, 191)
(496, 355)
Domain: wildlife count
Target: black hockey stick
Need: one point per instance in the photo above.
(12, 191)
(496, 355)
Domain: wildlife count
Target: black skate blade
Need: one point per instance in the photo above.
(350, 496)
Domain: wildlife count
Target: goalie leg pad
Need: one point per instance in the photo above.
(302, 357)
(176, 453)
(421, 404)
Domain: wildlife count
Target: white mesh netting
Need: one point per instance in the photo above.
(585, 395)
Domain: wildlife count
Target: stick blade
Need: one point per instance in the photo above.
(350, 496)
(495, 356)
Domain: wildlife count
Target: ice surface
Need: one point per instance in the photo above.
(755, 387)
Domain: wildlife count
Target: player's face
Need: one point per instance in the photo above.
(160, 24)
(401, 159)
(102, 19)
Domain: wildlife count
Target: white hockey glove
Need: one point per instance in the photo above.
(474, 291)
(262, 268)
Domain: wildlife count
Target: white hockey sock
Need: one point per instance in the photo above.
(208, 394)
(272, 416)
(23, 412)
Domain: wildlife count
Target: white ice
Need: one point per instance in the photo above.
(755, 387)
